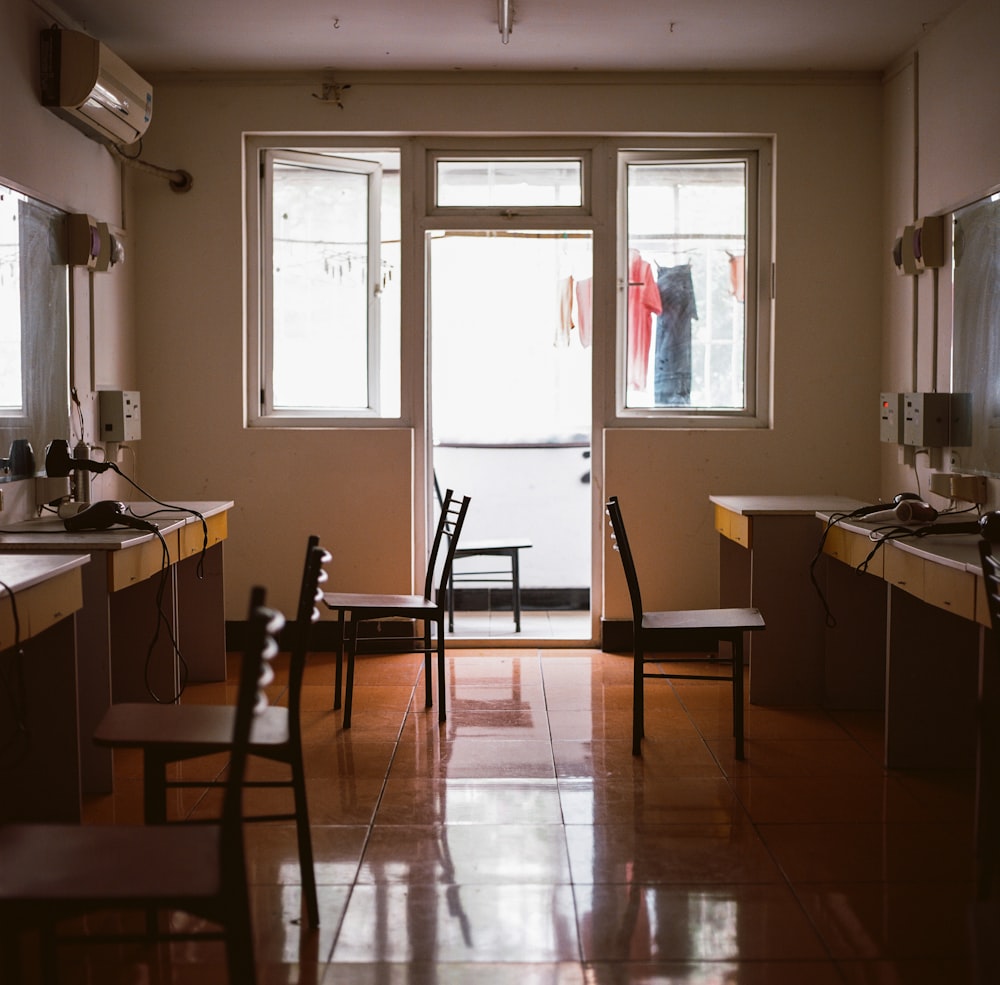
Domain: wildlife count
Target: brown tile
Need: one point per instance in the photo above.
(447, 850)
(469, 855)
(650, 800)
(413, 923)
(660, 854)
(638, 922)
(853, 852)
(806, 799)
(421, 800)
(894, 921)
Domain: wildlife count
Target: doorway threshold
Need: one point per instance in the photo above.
(548, 627)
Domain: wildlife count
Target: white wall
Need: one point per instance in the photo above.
(45, 156)
(190, 327)
(942, 151)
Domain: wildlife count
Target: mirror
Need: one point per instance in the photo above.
(976, 344)
(34, 331)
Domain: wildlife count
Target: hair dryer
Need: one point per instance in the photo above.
(105, 514)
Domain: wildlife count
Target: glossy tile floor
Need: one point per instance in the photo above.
(522, 843)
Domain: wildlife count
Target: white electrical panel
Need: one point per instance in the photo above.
(891, 418)
(119, 411)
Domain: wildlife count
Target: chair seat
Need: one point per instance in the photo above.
(81, 864)
(206, 728)
(502, 547)
(713, 620)
(377, 606)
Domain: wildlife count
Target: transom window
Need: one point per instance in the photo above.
(535, 182)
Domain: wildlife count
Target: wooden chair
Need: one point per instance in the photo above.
(689, 632)
(52, 873)
(506, 547)
(173, 733)
(428, 609)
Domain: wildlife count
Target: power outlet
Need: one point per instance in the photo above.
(940, 483)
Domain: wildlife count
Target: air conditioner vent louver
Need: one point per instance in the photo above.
(86, 84)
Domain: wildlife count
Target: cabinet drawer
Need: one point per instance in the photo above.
(40, 607)
(192, 536)
(136, 564)
(53, 600)
(951, 589)
(905, 571)
(733, 526)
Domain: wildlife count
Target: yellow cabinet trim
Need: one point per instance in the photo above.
(905, 571)
(192, 536)
(136, 564)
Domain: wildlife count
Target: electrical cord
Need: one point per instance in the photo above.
(163, 620)
(200, 568)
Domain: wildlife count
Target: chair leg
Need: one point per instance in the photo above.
(451, 603)
(306, 862)
(738, 695)
(338, 682)
(239, 943)
(638, 680)
(428, 665)
(515, 584)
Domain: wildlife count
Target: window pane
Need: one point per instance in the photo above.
(11, 391)
(509, 183)
(320, 288)
(686, 325)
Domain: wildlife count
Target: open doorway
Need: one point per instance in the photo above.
(510, 349)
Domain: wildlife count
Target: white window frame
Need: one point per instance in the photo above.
(260, 411)
(756, 154)
(511, 150)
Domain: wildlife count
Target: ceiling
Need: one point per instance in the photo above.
(548, 35)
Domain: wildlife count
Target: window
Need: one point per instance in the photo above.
(491, 181)
(693, 320)
(324, 301)
(679, 270)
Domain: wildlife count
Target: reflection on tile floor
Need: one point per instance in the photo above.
(522, 843)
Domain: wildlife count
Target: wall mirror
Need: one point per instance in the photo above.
(34, 331)
(976, 346)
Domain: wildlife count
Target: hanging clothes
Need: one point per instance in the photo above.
(737, 276)
(585, 310)
(564, 323)
(643, 303)
(672, 364)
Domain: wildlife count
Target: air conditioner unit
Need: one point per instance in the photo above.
(92, 88)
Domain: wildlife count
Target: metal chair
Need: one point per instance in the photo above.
(509, 548)
(681, 631)
(174, 733)
(429, 609)
(52, 873)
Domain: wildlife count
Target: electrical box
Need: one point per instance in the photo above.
(936, 420)
(891, 418)
(961, 422)
(119, 410)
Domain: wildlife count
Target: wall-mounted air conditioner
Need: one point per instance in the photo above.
(92, 88)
